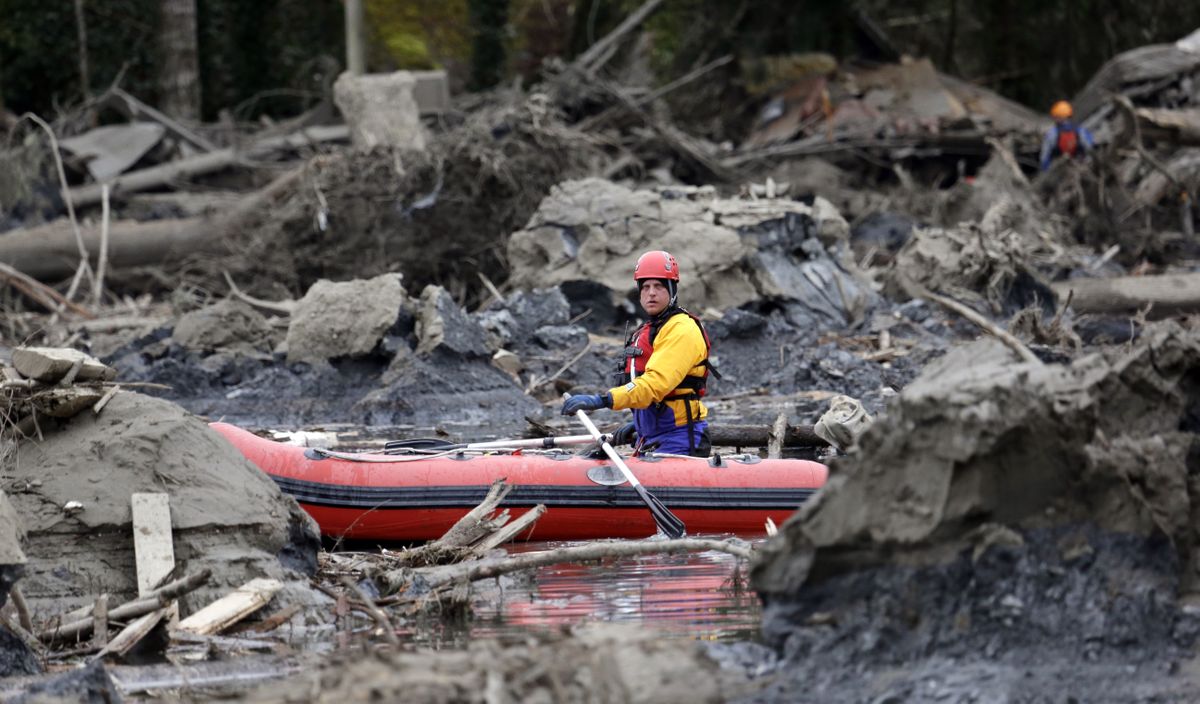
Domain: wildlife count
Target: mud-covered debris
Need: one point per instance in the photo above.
(732, 252)
(381, 110)
(229, 324)
(984, 520)
(442, 323)
(344, 319)
(512, 322)
(844, 422)
(15, 656)
(53, 364)
(987, 264)
(1103, 441)
(91, 684)
(601, 663)
(227, 516)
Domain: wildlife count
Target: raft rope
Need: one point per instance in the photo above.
(386, 459)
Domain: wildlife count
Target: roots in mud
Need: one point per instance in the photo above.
(359, 214)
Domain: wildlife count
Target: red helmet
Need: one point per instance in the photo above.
(656, 265)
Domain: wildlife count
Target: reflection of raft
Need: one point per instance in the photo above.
(418, 497)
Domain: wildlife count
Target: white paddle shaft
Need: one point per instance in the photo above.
(608, 449)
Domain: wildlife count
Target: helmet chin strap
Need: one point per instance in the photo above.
(673, 289)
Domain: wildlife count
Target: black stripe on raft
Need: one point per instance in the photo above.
(403, 497)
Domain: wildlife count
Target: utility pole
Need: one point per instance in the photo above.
(356, 62)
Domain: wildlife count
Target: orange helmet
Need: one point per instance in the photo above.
(656, 265)
(1061, 110)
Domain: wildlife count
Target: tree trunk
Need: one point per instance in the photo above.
(356, 62)
(179, 77)
(488, 18)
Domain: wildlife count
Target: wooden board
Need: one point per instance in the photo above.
(132, 634)
(231, 608)
(152, 543)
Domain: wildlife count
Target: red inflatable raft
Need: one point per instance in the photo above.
(417, 497)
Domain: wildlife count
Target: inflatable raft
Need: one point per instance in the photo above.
(419, 496)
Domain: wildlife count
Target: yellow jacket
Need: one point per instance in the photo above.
(679, 349)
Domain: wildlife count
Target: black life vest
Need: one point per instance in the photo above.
(640, 345)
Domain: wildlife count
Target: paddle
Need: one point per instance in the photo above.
(439, 444)
(667, 522)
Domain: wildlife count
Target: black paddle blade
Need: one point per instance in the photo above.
(667, 522)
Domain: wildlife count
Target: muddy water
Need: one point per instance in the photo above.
(701, 596)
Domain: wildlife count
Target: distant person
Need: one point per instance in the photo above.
(1065, 138)
(664, 369)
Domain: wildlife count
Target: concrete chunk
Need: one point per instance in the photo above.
(50, 364)
(381, 110)
(344, 319)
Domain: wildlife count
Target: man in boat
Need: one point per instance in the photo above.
(664, 371)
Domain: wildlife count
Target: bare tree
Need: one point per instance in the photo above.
(179, 74)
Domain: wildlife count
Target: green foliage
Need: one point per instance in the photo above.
(420, 34)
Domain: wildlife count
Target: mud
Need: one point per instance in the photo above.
(1031, 510)
(601, 663)
(226, 515)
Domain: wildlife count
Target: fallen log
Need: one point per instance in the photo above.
(723, 435)
(206, 163)
(153, 601)
(1166, 295)
(51, 251)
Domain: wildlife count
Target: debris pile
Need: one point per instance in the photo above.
(1010, 493)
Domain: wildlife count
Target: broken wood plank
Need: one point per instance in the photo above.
(155, 600)
(51, 364)
(274, 621)
(132, 634)
(514, 528)
(65, 402)
(1165, 295)
(105, 399)
(134, 108)
(231, 608)
(100, 622)
(152, 545)
(476, 523)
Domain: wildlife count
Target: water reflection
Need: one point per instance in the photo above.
(696, 595)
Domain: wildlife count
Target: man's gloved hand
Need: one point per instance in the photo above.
(594, 451)
(586, 402)
(625, 435)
